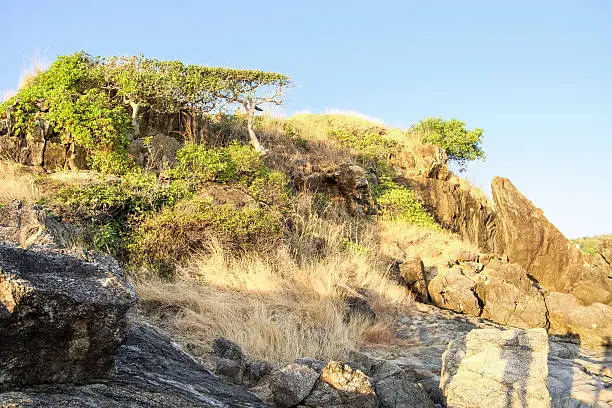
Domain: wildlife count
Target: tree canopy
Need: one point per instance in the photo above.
(97, 102)
(460, 144)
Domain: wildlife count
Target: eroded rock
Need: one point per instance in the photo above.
(452, 290)
(494, 368)
(62, 318)
(292, 383)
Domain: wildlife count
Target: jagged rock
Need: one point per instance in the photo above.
(256, 370)
(395, 388)
(456, 208)
(340, 386)
(592, 323)
(292, 383)
(452, 290)
(233, 370)
(493, 368)
(511, 298)
(62, 318)
(32, 225)
(346, 181)
(150, 372)
(530, 240)
(411, 273)
(224, 348)
(423, 161)
(359, 305)
(162, 151)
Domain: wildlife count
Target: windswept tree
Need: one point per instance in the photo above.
(250, 89)
(460, 144)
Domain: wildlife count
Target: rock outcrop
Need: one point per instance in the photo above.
(62, 318)
(493, 368)
(458, 209)
(150, 372)
(452, 290)
(530, 240)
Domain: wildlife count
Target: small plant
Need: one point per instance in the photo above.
(107, 238)
(396, 202)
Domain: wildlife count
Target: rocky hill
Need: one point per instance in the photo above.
(344, 265)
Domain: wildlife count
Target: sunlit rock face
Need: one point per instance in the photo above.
(493, 368)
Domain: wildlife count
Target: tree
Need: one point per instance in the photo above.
(249, 89)
(460, 144)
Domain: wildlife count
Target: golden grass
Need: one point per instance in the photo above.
(288, 303)
(18, 182)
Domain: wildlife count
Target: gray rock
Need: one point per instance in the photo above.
(358, 305)
(256, 370)
(233, 370)
(493, 368)
(292, 383)
(62, 318)
(224, 348)
(452, 290)
(150, 372)
(324, 395)
(398, 390)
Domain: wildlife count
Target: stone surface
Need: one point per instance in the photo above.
(452, 290)
(396, 388)
(511, 298)
(162, 151)
(493, 368)
(224, 348)
(292, 383)
(412, 274)
(62, 318)
(593, 323)
(150, 372)
(323, 395)
(530, 240)
(422, 161)
(359, 305)
(32, 225)
(456, 208)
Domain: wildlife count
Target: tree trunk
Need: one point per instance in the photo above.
(135, 121)
(251, 129)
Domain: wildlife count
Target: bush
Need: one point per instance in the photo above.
(460, 144)
(396, 202)
(370, 144)
(172, 235)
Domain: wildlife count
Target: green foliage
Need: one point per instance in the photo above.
(172, 235)
(71, 96)
(133, 195)
(107, 238)
(396, 202)
(460, 144)
(370, 143)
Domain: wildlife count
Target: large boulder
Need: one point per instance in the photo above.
(452, 290)
(150, 372)
(511, 298)
(395, 388)
(63, 318)
(530, 240)
(458, 208)
(292, 383)
(491, 368)
(593, 323)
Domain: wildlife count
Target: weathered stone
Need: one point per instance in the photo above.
(54, 157)
(412, 274)
(450, 289)
(423, 161)
(530, 240)
(511, 298)
(256, 370)
(292, 383)
(396, 388)
(233, 370)
(162, 151)
(224, 348)
(325, 395)
(150, 372)
(592, 323)
(456, 208)
(137, 151)
(358, 305)
(62, 318)
(493, 368)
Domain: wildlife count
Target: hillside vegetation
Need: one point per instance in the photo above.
(245, 241)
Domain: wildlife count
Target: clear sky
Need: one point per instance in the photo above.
(535, 75)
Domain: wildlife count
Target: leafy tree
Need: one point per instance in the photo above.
(249, 89)
(460, 144)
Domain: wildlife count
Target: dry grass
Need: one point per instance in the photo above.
(18, 182)
(279, 306)
(400, 239)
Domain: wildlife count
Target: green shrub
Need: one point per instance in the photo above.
(396, 202)
(169, 237)
(460, 144)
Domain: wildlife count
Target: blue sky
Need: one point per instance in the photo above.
(536, 76)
